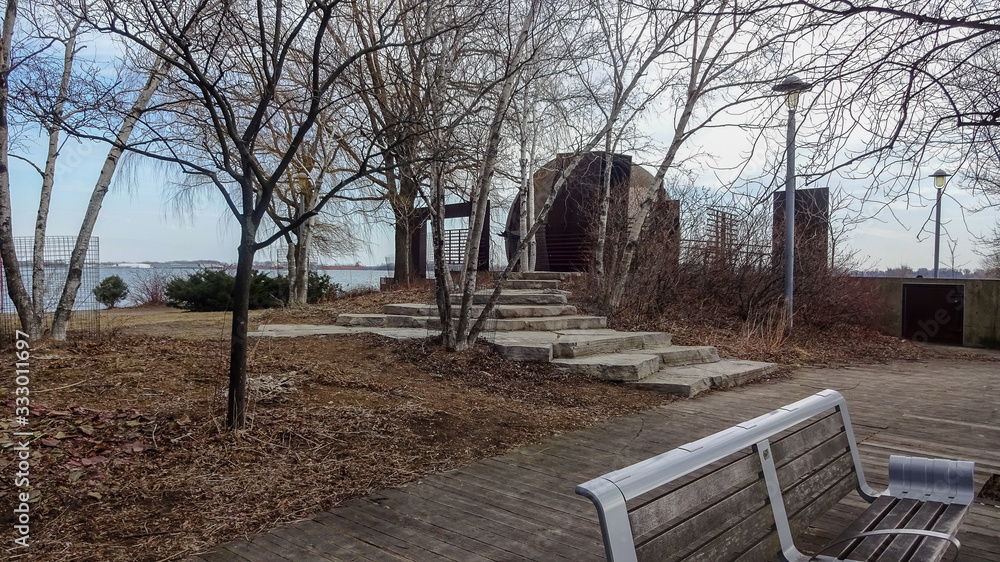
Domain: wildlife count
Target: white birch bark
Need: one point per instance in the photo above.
(481, 193)
(12, 270)
(60, 321)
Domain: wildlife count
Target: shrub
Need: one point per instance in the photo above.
(111, 291)
(150, 288)
(209, 290)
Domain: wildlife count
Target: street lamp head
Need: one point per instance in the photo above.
(791, 86)
(939, 178)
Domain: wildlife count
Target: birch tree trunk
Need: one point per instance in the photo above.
(12, 269)
(60, 321)
(694, 92)
(480, 195)
(605, 202)
(48, 179)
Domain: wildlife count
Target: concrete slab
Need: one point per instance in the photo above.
(675, 355)
(691, 380)
(500, 311)
(548, 323)
(365, 320)
(519, 296)
(612, 366)
(297, 330)
(532, 284)
(557, 275)
(583, 345)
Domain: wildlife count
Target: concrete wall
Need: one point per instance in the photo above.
(981, 324)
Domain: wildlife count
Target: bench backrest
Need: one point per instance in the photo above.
(739, 494)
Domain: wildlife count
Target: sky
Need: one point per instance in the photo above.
(138, 223)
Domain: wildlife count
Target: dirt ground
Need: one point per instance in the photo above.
(129, 460)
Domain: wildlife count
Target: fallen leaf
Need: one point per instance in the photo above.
(86, 429)
(34, 496)
(50, 442)
(95, 495)
(75, 475)
(60, 435)
(93, 460)
(132, 423)
(134, 447)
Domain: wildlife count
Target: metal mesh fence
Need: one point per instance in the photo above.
(85, 320)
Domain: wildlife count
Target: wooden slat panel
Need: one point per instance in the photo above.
(719, 517)
(769, 547)
(655, 515)
(730, 478)
(737, 529)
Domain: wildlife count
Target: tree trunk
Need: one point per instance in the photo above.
(65, 308)
(522, 231)
(236, 414)
(602, 221)
(694, 92)
(480, 195)
(404, 211)
(12, 269)
(299, 289)
(442, 273)
(48, 177)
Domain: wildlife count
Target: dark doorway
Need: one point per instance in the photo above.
(933, 313)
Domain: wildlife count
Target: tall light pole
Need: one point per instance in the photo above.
(940, 177)
(791, 86)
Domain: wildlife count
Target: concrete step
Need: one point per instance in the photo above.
(633, 366)
(546, 324)
(499, 311)
(518, 296)
(557, 275)
(675, 355)
(541, 324)
(532, 284)
(584, 345)
(691, 380)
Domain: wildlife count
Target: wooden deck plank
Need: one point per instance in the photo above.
(521, 505)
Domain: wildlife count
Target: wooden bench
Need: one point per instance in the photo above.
(745, 492)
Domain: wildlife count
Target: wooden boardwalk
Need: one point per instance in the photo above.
(521, 506)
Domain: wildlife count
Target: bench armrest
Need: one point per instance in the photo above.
(935, 480)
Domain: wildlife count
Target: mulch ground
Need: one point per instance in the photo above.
(130, 461)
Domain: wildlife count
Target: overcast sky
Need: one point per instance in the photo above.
(138, 222)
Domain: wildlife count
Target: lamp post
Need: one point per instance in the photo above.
(940, 177)
(791, 86)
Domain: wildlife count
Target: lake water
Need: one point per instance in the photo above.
(55, 277)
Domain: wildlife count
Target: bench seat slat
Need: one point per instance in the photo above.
(899, 513)
(949, 522)
(902, 547)
(888, 512)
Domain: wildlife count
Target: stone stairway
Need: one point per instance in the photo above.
(533, 322)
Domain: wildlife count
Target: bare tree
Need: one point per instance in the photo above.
(75, 101)
(232, 66)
